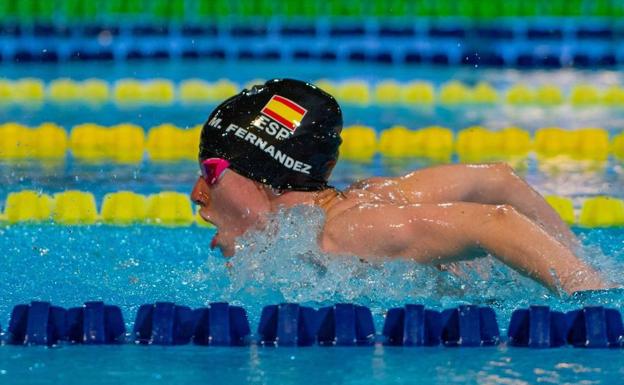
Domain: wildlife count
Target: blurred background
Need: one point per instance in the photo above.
(105, 96)
(101, 106)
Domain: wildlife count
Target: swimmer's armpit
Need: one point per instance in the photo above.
(441, 233)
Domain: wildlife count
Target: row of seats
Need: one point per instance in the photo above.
(175, 209)
(358, 92)
(418, 53)
(127, 143)
(322, 29)
(290, 324)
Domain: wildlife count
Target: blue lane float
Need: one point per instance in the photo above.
(290, 324)
(595, 327)
(220, 324)
(345, 324)
(287, 324)
(36, 324)
(537, 327)
(469, 326)
(163, 323)
(412, 325)
(510, 44)
(95, 323)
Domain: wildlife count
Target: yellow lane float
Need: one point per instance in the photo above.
(158, 91)
(195, 91)
(27, 206)
(549, 94)
(74, 207)
(602, 211)
(124, 207)
(170, 208)
(454, 92)
(354, 91)
(613, 96)
(396, 142)
(583, 94)
(388, 92)
(64, 90)
(418, 93)
(169, 143)
(95, 91)
(484, 93)
(617, 145)
(28, 90)
(358, 143)
(563, 206)
(328, 86)
(433, 142)
(520, 94)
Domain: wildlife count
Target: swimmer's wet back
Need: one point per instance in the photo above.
(285, 134)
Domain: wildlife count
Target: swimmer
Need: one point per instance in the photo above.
(275, 145)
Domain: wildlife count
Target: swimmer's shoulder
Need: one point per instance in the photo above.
(349, 199)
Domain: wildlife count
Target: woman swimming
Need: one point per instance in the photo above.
(275, 145)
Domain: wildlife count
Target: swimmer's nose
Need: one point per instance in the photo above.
(200, 195)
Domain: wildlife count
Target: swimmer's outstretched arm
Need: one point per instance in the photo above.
(491, 183)
(441, 233)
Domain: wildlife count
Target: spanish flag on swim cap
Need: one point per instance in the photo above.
(284, 133)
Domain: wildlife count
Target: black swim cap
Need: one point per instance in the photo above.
(285, 134)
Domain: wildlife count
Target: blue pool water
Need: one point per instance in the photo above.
(128, 266)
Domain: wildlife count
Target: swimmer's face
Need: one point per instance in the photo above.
(234, 205)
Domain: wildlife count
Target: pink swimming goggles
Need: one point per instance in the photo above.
(212, 169)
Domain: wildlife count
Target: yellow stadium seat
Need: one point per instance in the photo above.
(170, 208)
(74, 207)
(124, 207)
(27, 205)
(602, 211)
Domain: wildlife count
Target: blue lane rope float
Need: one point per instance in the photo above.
(290, 324)
(444, 42)
(287, 324)
(165, 323)
(466, 325)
